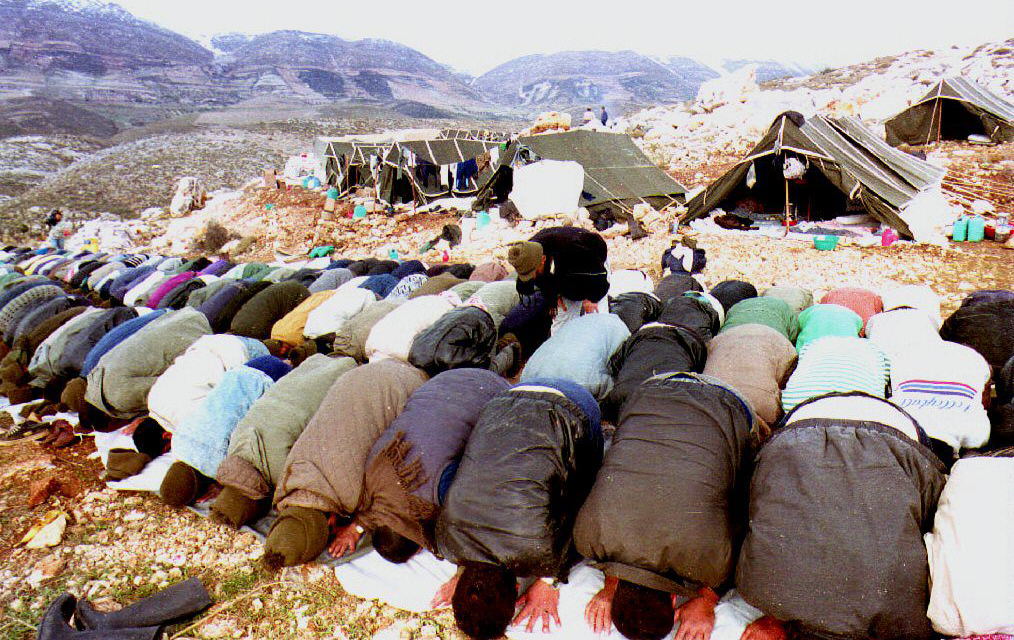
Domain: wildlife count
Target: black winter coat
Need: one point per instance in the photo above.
(986, 324)
(525, 472)
(76, 350)
(676, 284)
(635, 308)
(838, 509)
(669, 505)
(654, 349)
(462, 337)
(691, 313)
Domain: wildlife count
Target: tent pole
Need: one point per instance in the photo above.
(786, 207)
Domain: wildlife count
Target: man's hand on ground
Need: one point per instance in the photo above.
(696, 617)
(539, 601)
(345, 541)
(598, 613)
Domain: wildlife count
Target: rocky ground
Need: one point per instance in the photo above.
(120, 546)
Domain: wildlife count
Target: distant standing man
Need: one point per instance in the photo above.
(604, 116)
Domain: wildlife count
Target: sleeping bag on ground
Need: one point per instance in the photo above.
(839, 502)
(668, 508)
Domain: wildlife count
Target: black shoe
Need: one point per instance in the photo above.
(170, 605)
(55, 625)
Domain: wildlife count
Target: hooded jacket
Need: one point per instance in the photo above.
(668, 507)
(838, 509)
(528, 466)
(325, 467)
(119, 384)
(580, 351)
(183, 385)
(264, 436)
(418, 453)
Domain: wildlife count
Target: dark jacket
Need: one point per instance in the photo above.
(668, 507)
(255, 318)
(691, 313)
(43, 312)
(654, 349)
(984, 322)
(223, 304)
(114, 337)
(462, 337)
(575, 265)
(72, 358)
(635, 308)
(128, 278)
(527, 467)
(676, 284)
(730, 292)
(417, 456)
(838, 509)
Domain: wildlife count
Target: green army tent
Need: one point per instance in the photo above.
(846, 168)
(616, 171)
(953, 110)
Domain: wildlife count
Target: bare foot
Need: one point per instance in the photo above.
(540, 601)
(598, 613)
(696, 617)
(765, 628)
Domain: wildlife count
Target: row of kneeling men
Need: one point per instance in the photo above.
(795, 451)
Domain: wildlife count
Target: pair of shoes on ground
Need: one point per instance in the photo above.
(142, 620)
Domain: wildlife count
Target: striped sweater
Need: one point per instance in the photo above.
(836, 363)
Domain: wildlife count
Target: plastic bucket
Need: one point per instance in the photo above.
(825, 243)
(359, 211)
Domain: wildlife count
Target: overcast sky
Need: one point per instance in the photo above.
(477, 35)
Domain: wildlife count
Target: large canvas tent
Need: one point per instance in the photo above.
(417, 170)
(847, 169)
(953, 110)
(617, 173)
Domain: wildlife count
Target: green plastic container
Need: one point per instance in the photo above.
(332, 193)
(825, 243)
(960, 232)
(976, 229)
(359, 212)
